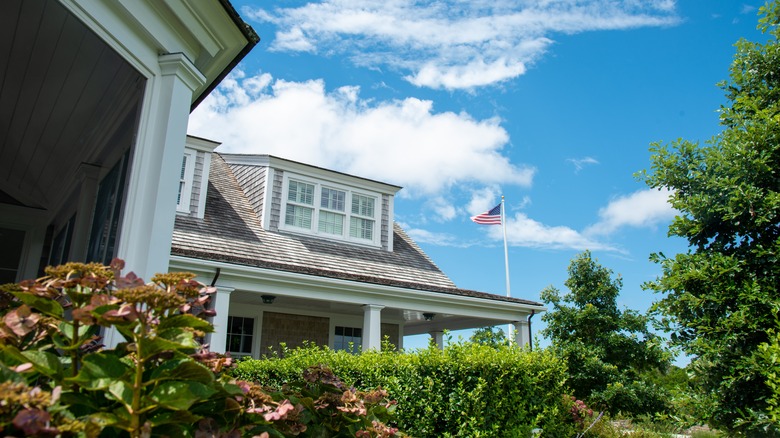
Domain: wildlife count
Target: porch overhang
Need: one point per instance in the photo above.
(452, 312)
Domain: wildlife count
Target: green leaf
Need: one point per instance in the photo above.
(122, 392)
(44, 305)
(182, 369)
(179, 395)
(99, 370)
(151, 347)
(181, 336)
(186, 320)
(8, 375)
(103, 419)
(11, 356)
(45, 363)
(175, 417)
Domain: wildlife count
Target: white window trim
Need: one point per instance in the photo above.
(257, 323)
(314, 231)
(185, 200)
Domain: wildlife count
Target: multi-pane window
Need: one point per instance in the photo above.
(331, 219)
(239, 335)
(331, 223)
(300, 204)
(333, 199)
(348, 338)
(301, 192)
(330, 210)
(362, 227)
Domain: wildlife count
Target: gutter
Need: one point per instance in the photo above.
(252, 40)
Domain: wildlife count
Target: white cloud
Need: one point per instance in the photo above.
(404, 142)
(641, 209)
(438, 239)
(483, 199)
(445, 210)
(526, 232)
(644, 208)
(579, 163)
(451, 45)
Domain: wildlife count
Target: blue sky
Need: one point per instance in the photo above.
(550, 103)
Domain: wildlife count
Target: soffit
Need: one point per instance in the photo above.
(63, 95)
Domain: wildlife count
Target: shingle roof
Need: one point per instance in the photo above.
(231, 232)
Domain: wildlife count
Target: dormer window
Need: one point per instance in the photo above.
(362, 221)
(332, 215)
(329, 210)
(300, 204)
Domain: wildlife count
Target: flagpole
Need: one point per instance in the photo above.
(506, 259)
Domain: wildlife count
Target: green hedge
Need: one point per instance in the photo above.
(466, 390)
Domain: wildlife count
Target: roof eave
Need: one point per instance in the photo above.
(252, 40)
(432, 293)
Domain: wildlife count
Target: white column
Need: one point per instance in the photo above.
(88, 174)
(438, 338)
(372, 327)
(522, 333)
(150, 207)
(217, 340)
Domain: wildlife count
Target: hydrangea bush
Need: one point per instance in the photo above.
(58, 380)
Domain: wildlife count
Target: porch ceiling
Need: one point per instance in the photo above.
(62, 92)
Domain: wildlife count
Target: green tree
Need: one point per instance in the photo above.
(721, 297)
(607, 349)
(486, 336)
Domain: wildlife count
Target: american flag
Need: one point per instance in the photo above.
(491, 217)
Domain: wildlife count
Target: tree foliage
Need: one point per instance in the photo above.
(486, 336)
(607, 349)
(721, 297)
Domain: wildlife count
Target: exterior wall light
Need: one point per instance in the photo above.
(429, 316)
(268, 299)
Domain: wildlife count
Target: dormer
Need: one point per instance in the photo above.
(296, 198)
(194, 176)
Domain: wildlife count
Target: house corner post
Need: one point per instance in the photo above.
(218, 339)
(150, 206)
(372, 327)
(438, 338)
(522, 333)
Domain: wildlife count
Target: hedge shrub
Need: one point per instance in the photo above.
(466, 390)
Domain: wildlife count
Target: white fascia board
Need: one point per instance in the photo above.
(312, 171)
(218, 37)
(202, 144)
(194, 22)
(284, 283)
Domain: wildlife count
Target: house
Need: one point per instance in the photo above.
(95, 97)
(301, 253)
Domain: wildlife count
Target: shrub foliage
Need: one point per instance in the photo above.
(467, 389)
